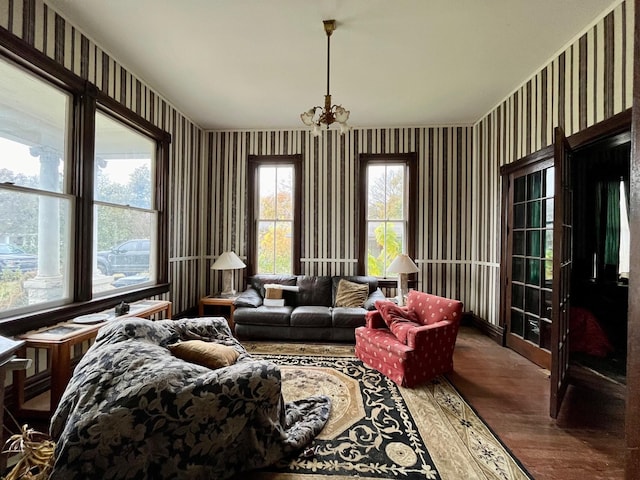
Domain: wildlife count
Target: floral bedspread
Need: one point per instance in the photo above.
(133, 410)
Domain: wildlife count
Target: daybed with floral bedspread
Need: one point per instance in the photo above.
(133, 409)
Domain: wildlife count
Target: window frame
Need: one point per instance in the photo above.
(410, 162)
(86, 99)
(255, 162)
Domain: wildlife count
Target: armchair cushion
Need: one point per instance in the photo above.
(399, 320)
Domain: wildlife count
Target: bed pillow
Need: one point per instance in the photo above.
(351, 294)
(208, 354)
(399, 320)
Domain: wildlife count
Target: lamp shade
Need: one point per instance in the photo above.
(228, 261)
(402, 264)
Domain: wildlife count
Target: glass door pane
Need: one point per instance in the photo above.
(531, 246)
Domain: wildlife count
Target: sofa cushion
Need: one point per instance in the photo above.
(274, 316)
(399, 320)
(314, 290)
(344, 317)
(208, 354)
(351, 294)
(311, 316)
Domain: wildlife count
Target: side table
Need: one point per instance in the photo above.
(220, 302)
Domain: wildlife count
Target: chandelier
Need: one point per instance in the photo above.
(317, 116)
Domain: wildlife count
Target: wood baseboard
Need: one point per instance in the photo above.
(494, 332)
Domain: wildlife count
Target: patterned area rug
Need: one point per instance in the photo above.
(378, 430)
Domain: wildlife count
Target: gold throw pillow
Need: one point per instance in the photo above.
(208, 354)
(351, 294)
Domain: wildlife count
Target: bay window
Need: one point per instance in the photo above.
(83, 196)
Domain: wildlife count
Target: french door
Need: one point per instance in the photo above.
(536, 260)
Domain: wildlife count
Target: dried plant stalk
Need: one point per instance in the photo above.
(36, 455)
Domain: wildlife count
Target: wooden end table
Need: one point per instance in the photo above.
(220, 302)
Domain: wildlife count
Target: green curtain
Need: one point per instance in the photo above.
(612, 235)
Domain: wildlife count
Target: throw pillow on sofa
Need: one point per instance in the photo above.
(399, 320)
(351, 294)
(208, 354)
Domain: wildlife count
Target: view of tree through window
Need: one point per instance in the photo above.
(386, 224)
(275, 219)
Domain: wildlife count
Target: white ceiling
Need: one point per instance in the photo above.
(257, 64)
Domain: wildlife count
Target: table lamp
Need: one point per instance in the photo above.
(403, 266)
(228, 262)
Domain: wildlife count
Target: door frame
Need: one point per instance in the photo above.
(632, 410)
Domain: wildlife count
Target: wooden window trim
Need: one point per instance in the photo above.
(410, 160)
(255, 161)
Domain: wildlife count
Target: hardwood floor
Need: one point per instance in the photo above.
(512, 395)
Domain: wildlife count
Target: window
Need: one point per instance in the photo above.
(387, 224)
(125, 223)
(36, 209)
(78, 232)
(274, 245)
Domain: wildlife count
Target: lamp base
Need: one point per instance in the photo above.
(403, 288)
(230, 294)
(227, 284)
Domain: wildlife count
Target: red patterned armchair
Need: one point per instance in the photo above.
(413, 344)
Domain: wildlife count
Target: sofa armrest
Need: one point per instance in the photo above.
(249, 298)
(373, 319)
(370, 302)
(444, 329)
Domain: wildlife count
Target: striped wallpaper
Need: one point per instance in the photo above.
(589, 81)
(459, 185)
(330, 193)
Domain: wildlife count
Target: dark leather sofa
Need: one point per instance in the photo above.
(308, 315)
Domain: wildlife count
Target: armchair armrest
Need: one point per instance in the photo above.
(249, 298)
(444, 329)
(373, 319)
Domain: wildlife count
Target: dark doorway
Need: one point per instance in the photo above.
(599, 280)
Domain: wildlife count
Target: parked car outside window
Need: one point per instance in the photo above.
(128, 258)
(15, 259)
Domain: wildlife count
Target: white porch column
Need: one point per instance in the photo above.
(48, 284)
